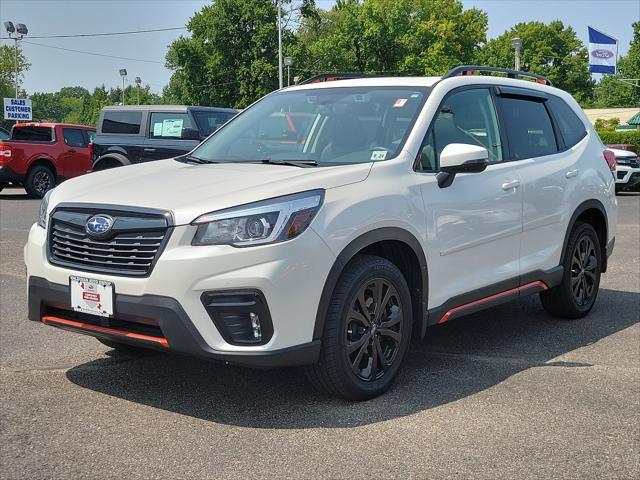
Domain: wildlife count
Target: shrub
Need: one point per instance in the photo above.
(630, 136)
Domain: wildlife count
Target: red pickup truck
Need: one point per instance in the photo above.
(37, 156)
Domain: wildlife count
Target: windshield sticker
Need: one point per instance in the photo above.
(172, 127)
(378, 155)
(400, 102)
(157, 129)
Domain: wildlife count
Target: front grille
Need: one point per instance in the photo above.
(131, 248)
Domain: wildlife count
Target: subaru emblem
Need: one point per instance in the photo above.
(99, 225)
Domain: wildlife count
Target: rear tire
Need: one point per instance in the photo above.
(367, 331)
(576, 294)
(39, 180)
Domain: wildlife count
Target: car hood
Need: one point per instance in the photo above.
(623, 153)
(190, 190)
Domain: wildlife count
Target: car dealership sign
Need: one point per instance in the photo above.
(17, 109)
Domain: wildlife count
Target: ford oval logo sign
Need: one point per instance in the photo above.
(602, 53)
(99, 225)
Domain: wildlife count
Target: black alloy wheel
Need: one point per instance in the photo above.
(367, 330)
(373, 332)
(576, 294)
(39, 180)
(584, 264)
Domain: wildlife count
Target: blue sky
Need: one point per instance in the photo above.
(53, 68)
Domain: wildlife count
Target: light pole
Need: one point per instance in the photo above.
(138, 82)
(516, 43)
(279, 45)
(123, 74)
(288, 61)
(16, 32)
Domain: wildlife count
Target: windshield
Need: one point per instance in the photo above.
(329, 126)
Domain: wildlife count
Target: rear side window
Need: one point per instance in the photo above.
(122, 122)
(32, 134)
(571, 127)
(209, 122)
(73, 137)
(529, 128)
(168, 125)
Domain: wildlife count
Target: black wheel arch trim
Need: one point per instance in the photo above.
(351, 250)
(583, 207)
(112, 156)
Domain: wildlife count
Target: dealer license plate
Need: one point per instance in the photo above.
(91, 296)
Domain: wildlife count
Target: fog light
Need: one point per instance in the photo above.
(241, 316)
(255, 325)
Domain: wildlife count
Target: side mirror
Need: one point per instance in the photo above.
(460, 158)
(190, 134)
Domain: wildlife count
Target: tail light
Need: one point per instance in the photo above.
(610, 157)
(90, 149)
(5, 153)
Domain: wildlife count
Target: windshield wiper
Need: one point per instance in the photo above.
(192, 159)
(293, 163)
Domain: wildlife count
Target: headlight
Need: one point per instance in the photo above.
(268, 221)
(44, 205)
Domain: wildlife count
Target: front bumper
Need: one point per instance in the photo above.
(152, 321)
(627, 176)
(290, 275)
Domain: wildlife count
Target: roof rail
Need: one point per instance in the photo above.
(328, 77)
(470, 69)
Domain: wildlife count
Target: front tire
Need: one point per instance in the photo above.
(575, 295)
(367, 331)
(39, 180)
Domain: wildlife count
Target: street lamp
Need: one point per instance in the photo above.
(288, 61)
(279, 45)
(516, 43)
(138, 81)
(16, 32)
(123, 74)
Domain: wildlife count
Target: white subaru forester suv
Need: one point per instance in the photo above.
(330, 222)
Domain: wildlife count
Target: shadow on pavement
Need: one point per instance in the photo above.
(454, 361)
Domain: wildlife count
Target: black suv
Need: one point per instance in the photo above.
(141, 133)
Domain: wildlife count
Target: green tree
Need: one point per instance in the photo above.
(7, 70)
(414, 37)
(550, 49)
(611, 91)
(230, 58)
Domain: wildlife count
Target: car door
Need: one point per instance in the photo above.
(75, 153)
(474, 225)
(164, 135)
(549, 169)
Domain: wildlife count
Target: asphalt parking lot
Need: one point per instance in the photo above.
(506, 393)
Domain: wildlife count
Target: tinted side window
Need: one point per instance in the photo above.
(121, 122)
(467, 116)
(32, 134)
(168, 125)
(528, 127)
(73, 137)
(209, 122)
(571, 127)
(89, 136)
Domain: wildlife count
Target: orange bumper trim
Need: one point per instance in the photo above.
(63, 322)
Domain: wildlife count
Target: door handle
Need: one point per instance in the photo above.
(571, 173)
(72, 150)
(149, 149)
(508, 185)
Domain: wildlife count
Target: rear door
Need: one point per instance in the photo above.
(74, 159)
(164, 135)
(474, 225)
(548, 155)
